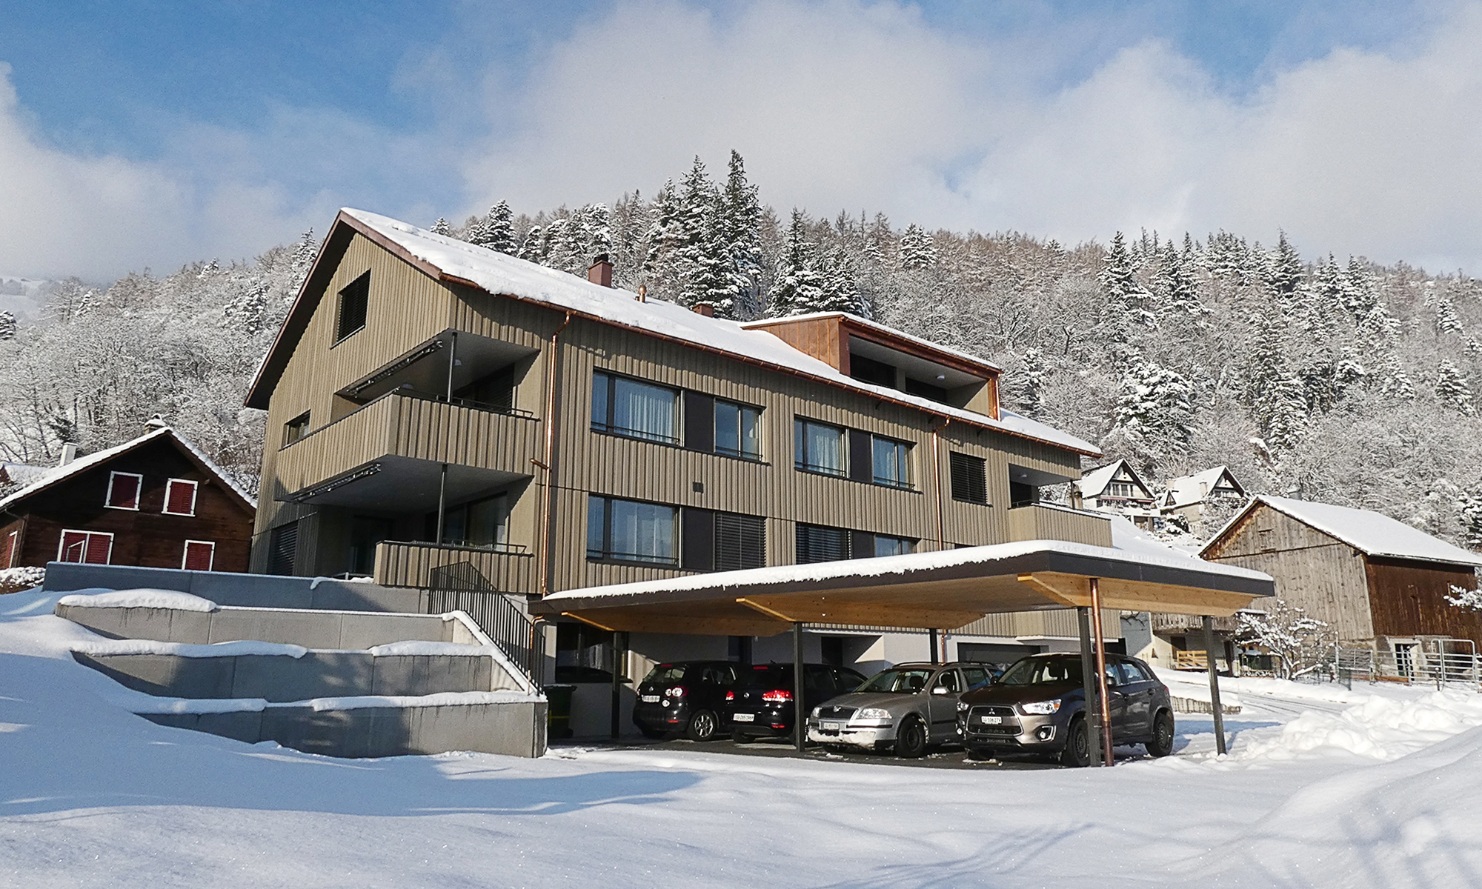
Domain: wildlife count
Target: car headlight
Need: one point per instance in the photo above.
(962, 706)
(1041, 708)
(817, 711)
(873, 713)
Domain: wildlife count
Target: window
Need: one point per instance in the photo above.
(631, 531)
(740, 541)
(90, 547)
(180, 497)
(1121, 489)
(493, 392)
(283, 549)
(885, 545)
(868, 370)
(892, 460)
(354, 304)
(123, 490)
(199, 555)
(8, 547)
(818, 447)
(816, 543)
(969, 478)
(634, 409)
(736, 430)
(482, 523)
(295, 429)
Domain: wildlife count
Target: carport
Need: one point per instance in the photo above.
(935, 591)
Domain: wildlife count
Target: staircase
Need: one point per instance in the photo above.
(334, 682)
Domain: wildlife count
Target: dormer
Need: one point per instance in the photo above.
(875, 354)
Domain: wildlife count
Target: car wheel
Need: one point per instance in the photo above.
(703, 726)
(910, 738)
(1077, 752)
(1162, 740)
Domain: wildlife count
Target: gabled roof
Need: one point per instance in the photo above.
(60, 474)
(1192, 489)
(22, 473)
(1094, 482)
(459, 263)
(1368, 532)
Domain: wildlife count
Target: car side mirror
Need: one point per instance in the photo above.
(939, 690)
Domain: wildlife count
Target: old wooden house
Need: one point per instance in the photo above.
(1377, 582)
(155, 501)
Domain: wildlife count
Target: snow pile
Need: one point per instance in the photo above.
(21, 578)
(1379, 728)
(441, 699)
(454, 649)
(118, 647)
(143, 598)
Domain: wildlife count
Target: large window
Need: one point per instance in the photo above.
(629, 407)
(91, 547)
(353, 307)
(631, 531)
(891, 463)
(482, 523)
(123, 490)
(818, 447)
(885, 545)
(969, 478)
(816, 543)
(736, 432)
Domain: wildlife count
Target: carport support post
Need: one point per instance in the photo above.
(1214, 687)
(799, 730)
(932, 636)
(619, 657)
(1088, 684)
(1104, 707)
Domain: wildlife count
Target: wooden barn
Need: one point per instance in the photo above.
(155, 501)
(1378, 582)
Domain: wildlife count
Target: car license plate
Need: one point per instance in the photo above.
(650, 699)
(990, 720)
(832, 726)
(743, 717)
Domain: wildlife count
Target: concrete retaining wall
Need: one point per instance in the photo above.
(512, 728)
(248, 590)
(318, 674)
(311, 629)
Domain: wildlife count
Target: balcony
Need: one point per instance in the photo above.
(412, 564)
(387, 454)
(1048, 521)
(1172, 624)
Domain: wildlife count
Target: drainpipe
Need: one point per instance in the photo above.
(548, 519)
(936, 469)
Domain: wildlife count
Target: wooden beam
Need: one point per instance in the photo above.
(770, 612)
(591, 623)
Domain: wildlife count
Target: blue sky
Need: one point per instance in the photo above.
(161, 132)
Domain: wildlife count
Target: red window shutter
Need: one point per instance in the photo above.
(123, 491)
(99, 548)
(74, 547)
(7, 550)
(180, 497)
(199, 555)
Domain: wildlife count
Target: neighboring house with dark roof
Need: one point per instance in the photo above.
(1191, 496)
(155, 501)
(1376, 581)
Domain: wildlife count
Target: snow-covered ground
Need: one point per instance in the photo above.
(1374, 787)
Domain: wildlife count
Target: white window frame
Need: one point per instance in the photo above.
(87, 541)
(138, 490)
(185, 555)
(195, 489)
(15, 543)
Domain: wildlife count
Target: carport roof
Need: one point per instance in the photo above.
(944, 589)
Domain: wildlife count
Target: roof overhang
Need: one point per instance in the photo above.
(942, 590)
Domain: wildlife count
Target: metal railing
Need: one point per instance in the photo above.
(462, 587)
(1442, 662)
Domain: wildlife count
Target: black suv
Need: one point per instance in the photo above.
(1038, 706)
(761, 705)
(684, 697)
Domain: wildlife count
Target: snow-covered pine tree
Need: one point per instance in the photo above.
(1452, 389)
(594, 225)
(797, 287)
(441, 227)
(1032, 382)
(1126, 299)
(498, 229)
(533, 247)
(1155, 411)
(1446, 319)
(840, 292)
(1284, 272)
(917, 249)
(740, 216)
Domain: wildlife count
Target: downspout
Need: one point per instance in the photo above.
(936, 469)
(548, 518)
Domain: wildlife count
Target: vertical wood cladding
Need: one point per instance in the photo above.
(1409, 599)
(147, 537)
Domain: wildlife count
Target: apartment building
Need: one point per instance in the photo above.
(442, 415)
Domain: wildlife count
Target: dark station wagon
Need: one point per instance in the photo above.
(684, 697)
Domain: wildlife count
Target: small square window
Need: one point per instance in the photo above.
(354, 305)
(969, 478)
(180, 497)
(123, 490)
(295, 429)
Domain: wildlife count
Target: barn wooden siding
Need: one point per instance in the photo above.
(1408, 599)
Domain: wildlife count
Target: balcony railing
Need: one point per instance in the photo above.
(412, 564)
(1048, 521)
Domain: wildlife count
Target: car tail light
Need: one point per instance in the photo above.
(676, 692)
(730, 696)
(777, 696)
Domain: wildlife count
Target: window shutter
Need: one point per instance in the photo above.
(969, 478)
(819, 544)
(861, 457)
(180, 497)
(740, 541)
(283, 549)
(99, 549)
(697, 548)
(199, 555)
(123, 490)
(699, 422)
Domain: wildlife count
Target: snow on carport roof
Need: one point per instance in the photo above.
(944, 589)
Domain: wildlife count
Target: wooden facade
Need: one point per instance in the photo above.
(383, 437)
(34, 521)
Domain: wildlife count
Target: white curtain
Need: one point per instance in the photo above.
(643, 409)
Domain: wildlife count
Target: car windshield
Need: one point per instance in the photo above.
(1043, 671)
(774, 675)
(905, 680)
(664, 674)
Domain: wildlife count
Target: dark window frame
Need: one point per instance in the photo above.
(742, 410)
(902, 463)
(604, 552)
(609, 382)
(800, 457)
(352, 309)
(296, 429)
(968, 477)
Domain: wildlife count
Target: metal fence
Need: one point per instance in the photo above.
(1442, 662)
(462, 587)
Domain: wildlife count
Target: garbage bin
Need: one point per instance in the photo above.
(558, 710)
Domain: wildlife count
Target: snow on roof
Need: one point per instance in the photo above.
(84, 463)
(1128, 545)
(24, 473)
(499, 273)
(876, 326)
(1093, 483)
(1369, 532)
(1191, 489)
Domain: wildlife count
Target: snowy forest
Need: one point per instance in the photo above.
(1338, 380)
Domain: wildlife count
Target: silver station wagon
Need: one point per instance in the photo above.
(908, 709)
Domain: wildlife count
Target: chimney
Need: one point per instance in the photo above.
(706, 309)
(643, 293)
(600, 271)
(69, 453)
